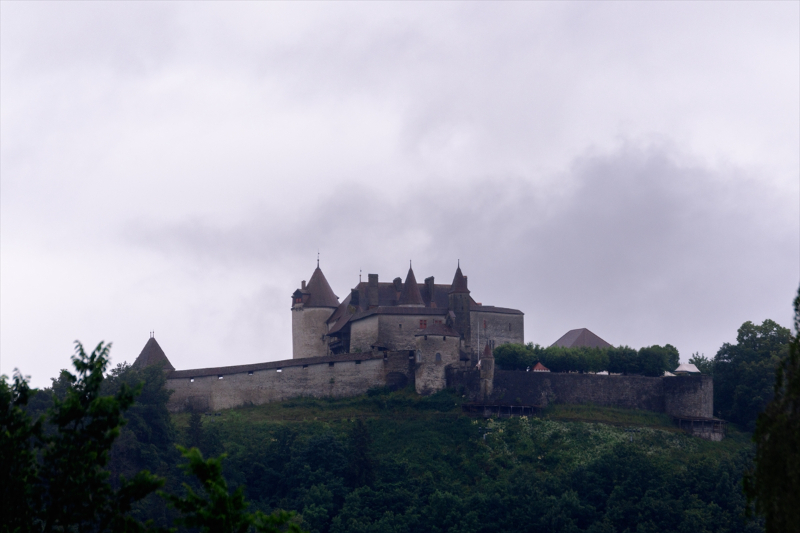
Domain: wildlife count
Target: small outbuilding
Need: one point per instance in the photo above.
(686, 368)
(581, 338)
(540, 368)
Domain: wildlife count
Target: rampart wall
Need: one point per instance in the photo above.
(212, 389)
(690, 396)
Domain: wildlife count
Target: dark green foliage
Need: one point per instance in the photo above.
(774, 485)
(435, 470)
(66, 484)
(649, 361)
(17, 457)
(744, 373)
(214, 509)
(360, 468)
(703, 363)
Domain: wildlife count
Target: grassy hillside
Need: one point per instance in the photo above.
(400, 462)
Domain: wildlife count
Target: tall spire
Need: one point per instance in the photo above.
(410, 294)
(459, 282)
(320, 293)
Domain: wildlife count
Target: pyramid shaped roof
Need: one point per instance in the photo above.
(152, 354)
(319, 291)
(410, 294)
(459, 283)
(487, 352)
(581, 338)
(539, 367)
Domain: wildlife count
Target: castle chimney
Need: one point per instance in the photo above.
(372, 290)
(429, 290)
(303, 285)
(355, 298)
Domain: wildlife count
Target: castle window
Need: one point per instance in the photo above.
(358, 362)
(437, 321)
(484, 324)
(305, 366)
(419, 357)
(219, 377)
(425, 337)
(191, 380)
(438, 358)
(279, 370)
(250, 373)
(423, 324)
(330, 364)
(400, 326)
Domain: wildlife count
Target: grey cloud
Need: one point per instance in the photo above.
(642, 245)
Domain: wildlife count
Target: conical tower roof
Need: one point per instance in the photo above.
(152, 354)
(410, 294)
(459, 283)
(320, 293)
(487, 352)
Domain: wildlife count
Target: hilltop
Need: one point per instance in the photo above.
(396, 461)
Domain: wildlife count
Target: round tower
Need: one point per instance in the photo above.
(312, 306)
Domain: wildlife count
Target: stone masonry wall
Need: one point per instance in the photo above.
(330, 376)
(496, 330)
(687, 396)
(364, 334)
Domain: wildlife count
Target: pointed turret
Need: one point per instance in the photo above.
(459, 282)
(152, 354)
(410, 296)
(459, 303)
(320, 293)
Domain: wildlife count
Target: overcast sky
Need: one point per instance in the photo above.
(627, 167)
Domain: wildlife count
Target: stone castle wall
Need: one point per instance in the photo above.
(212, 389)
(352, 374)
(499, 328)
(687, 396)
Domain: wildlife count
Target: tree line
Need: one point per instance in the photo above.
(649, 361)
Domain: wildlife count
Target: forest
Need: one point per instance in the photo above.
(387, 461)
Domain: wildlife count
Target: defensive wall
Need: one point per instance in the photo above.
(679, 396)
(337, 376)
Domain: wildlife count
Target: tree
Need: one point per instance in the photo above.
(774, 484)
(63, 472)
(214, 510)
(703, 363)
(744, 373)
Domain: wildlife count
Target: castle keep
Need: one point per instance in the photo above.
(426, 335)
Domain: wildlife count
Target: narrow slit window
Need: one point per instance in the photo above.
(423, 324)
(219, 377)
(438, 358)
(279, 370)
(191, 380)
(358, 362)
(250, 373)
(330, 364)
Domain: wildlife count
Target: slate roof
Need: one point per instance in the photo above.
(459, 284)
(319, 291)
(410, 294)
(433, 301)
(581, 338)
(487, 352)
(152, 354)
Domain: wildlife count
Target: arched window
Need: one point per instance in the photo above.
(419, 357)
(438, 358)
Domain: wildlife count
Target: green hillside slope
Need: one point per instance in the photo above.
(398, 462)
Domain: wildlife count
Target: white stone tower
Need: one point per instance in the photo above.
(312, 306)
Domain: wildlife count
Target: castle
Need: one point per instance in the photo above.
(396, 316)
(428, 336)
